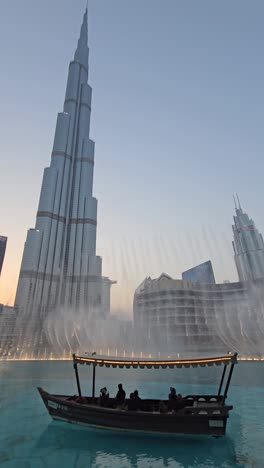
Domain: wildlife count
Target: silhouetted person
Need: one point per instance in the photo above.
(172, 394)
(104, 397)
(137, 399)
(172, 405)
(121, 395)
(134, 402)
(162, 407)
(81, 400)
(176, 402)
(72, 398)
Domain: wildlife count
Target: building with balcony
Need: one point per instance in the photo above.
(178, 316)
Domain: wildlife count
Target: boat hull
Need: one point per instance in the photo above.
(190, 420)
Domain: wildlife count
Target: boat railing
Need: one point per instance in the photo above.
(206, 410)
(192, 404)
(205, 398)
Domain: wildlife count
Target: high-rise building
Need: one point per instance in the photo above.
(7, 330)
(3, 241)
(248, 247)
(60, 267)
(202, 273)
(180, 316)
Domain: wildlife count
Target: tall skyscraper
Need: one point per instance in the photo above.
(60, 267)
(3, 241)
(248, 247)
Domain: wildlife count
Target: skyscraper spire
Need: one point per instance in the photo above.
(82, 51)
(248, 247)
(239, 206)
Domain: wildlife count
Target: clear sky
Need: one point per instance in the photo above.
(177, 118)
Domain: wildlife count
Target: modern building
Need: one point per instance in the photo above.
(3, 241)
(202, 273)
(7, 330)
(248, 247)
(178, 316)
(60, 268)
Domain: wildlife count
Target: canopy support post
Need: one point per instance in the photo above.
(77, 376)
(229, 378)
(222, 381)
(93, 391)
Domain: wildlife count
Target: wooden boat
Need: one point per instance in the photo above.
(195, 414)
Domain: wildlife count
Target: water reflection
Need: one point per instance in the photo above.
(112, 449)
(29, 439)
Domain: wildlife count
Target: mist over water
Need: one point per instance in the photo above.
(237, 325)
(241, 325)
(70, 331)
(237, 328)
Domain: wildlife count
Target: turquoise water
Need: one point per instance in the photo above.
(29, 439)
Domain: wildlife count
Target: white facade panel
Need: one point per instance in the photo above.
(61, 132)
(73, 82)
(32, 249)
(88, 148)
(48, 190)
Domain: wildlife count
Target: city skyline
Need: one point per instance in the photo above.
(182, 204)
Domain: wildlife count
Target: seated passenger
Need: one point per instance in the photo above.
(162, 407)
(72, 398)
(181, 403)
(172, 395)
(104, 397)
(173, 398)
(137, 399)
(134, 402)
(120, 396)
(81, 400)
(176, 402)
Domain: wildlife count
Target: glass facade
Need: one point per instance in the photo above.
(202, 273)
(3, 241)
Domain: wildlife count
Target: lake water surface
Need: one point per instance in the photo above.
(29, 439)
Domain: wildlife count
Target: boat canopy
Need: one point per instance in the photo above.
(156, 364)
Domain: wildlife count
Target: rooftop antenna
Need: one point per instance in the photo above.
(235, 202)
(238, 202)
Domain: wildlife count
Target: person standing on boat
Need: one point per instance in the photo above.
(121, 395)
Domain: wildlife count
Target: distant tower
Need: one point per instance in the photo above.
(248, 247)
(3, 241)
(59, 266)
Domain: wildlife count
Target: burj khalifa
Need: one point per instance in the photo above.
(60, 267)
